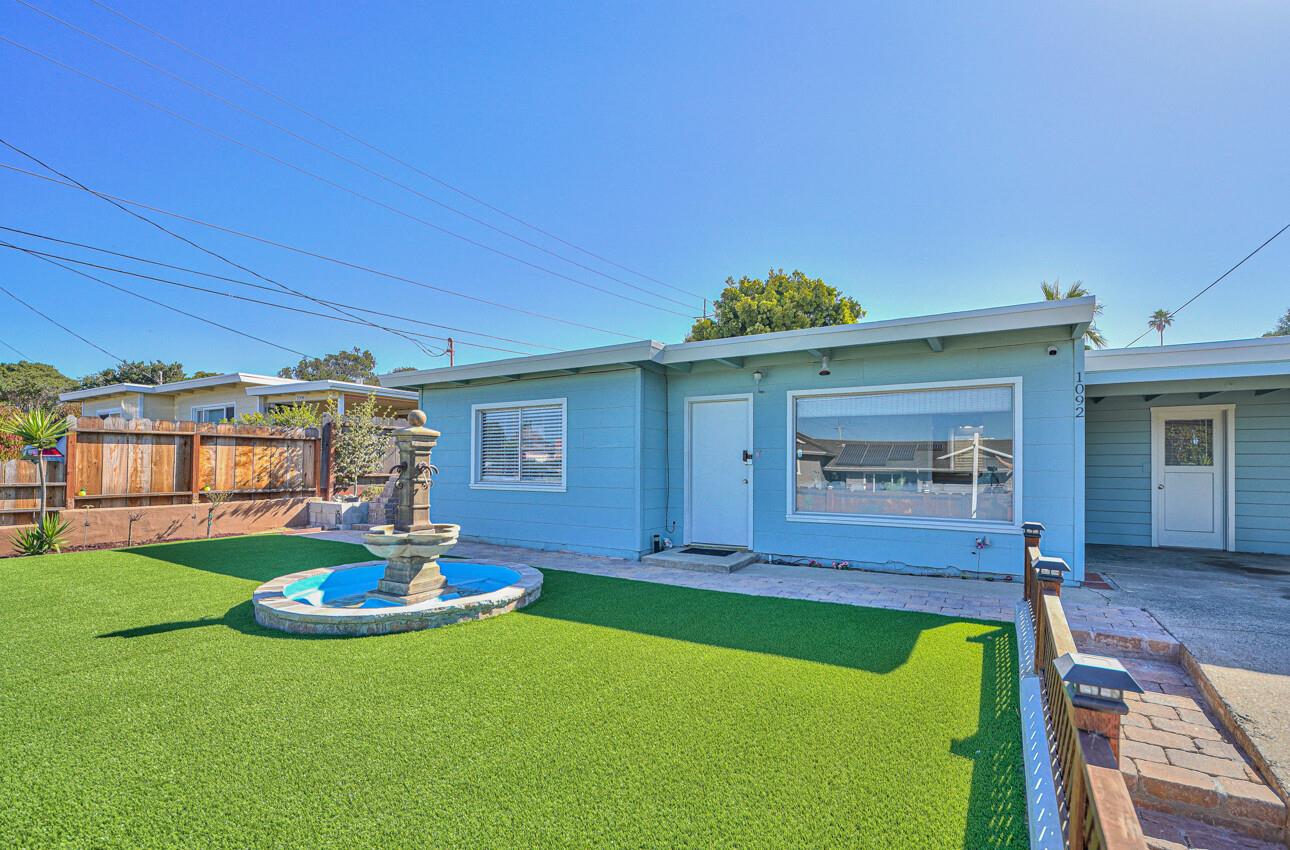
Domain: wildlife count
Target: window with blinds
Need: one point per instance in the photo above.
(520, 445)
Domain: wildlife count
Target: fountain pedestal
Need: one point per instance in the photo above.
(411, 546)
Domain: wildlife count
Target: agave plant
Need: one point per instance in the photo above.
(41, 429)
(49, 534)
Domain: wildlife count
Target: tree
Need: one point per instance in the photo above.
(1160, 320)
(202, 373)
(27, 385)
(301, 414)
(782, 302)
(41, 429)
(134, 372)
(360, 442)
(358, 365)
(1283, 326)
(1093, 337)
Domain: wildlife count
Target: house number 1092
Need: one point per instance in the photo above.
(1079, 394)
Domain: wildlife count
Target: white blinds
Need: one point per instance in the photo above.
(522, 445)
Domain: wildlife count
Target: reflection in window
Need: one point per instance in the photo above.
(1189, 442)
(933, 454)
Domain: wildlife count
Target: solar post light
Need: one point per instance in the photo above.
(1050, 572)
(1032, 529)
(1096, 682)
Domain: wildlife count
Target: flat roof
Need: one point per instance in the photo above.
(1236, 358)
(176, 386)
(335, 386)
(1073, 315)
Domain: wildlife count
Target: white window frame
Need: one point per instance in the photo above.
(1014, 527)
(199, 408)
(476, 446)
(105, 412)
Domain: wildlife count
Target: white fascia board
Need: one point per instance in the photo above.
(332, 386)
(1068, 312)
(176, 386)
(1251, 352)
(1187, 373)
(98, 392)
(628, 352)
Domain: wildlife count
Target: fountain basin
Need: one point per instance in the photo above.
(337, 600)
(426, 544)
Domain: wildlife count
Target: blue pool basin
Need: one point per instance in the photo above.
(344, 584)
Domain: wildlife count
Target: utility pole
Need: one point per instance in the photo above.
(452, 352)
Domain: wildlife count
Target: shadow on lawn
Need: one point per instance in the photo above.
(258, 557)
(240, 618)
(997, 798)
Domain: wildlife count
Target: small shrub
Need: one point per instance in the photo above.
(371, 493)
(47, 535)
(299, 415)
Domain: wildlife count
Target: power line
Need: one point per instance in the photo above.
(1218, 279)
(170, 307)
(246, 283)
(194, 287)
(328, 181)
(335, 154)
(324, 257)
(54, 321)
(190, 242)
(9, 346)
(352, 137)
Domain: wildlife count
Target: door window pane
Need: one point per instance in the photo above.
(935, 454)
(1189, 442)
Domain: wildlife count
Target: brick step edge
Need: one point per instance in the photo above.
(1149, 646)
(1234, 804)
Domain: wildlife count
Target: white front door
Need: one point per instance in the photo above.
(720, 471)
(1189, 477)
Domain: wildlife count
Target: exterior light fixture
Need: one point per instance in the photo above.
(1096, 682)
(1051, 569)
(757, 376)
(824, 365)
(1032, 529)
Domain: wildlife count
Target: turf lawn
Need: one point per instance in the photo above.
(140, 706)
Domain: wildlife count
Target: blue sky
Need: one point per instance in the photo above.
(921, 157)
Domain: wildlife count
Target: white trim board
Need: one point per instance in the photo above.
(1228, 414)
(981, 526)
(690, 401)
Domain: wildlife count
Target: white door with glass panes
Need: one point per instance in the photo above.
(1189, 477)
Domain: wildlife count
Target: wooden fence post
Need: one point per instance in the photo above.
(1032, 531)
(69, 471)
(329, 458)
(195, 467)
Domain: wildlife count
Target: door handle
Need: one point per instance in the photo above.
(748, 456)
(1160, 486)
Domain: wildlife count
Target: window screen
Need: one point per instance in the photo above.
(521, 446)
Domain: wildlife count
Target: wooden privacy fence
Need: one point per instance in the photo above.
(118, 462)
(1083, 732)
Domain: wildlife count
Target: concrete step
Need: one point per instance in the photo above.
(680, 560)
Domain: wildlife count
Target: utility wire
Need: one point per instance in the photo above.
(194, 287)
(324, 257)
(335, 154)
(1217, 280)
(54, 321)
(329, 182)
(247, 283)
(375, 149)
(9, 346)
(170, 307)
(193, 244)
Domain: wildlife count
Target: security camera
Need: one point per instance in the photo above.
(824, 365)
(1052, 351)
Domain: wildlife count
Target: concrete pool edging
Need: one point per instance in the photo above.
(275, 611)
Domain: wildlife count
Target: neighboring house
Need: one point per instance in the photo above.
(221, 397)
(911, 443)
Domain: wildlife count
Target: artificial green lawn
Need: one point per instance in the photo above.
(140, 706)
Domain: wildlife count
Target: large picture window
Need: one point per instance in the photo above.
(940, 453)
(520, 445)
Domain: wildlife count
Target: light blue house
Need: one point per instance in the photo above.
(918, 443)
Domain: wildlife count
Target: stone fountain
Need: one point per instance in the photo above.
(407, 589)
(412, 546)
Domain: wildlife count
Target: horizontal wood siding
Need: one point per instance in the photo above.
(598, 512)
(1118, 464)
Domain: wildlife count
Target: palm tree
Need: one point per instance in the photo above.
(1093, 337)
(1160, 320)
(41, 429)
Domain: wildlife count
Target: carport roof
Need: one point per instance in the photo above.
(1231, 364)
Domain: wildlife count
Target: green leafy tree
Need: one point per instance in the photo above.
(134, 372)
(1283, 326)
(360, 441)
(781, 302)
(1093, 337)
(202, 373)
(357, 365)
(26, 384)
(1160, 320)
(42, 429)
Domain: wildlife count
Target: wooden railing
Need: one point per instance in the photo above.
(1097, 812)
